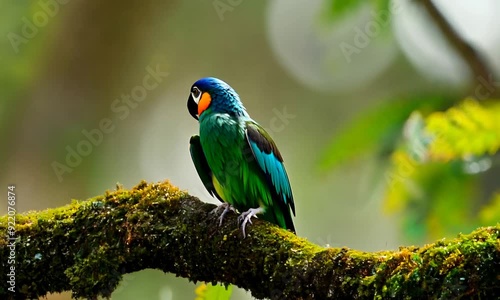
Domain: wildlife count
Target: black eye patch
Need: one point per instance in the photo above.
(196, 92)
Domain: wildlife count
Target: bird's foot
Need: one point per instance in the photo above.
(227, 207)
(246, 217)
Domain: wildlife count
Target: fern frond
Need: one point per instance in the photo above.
(433, 173)
(376, 130)
(470, 129)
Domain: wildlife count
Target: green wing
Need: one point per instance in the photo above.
(201, 165)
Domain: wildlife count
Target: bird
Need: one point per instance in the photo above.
(236, 159)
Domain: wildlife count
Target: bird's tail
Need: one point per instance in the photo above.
(280, 216)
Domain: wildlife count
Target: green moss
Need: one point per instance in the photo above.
(87, 246)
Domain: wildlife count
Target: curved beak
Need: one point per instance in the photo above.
(192, 107)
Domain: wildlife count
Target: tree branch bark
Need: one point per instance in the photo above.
(481, 73)
(87, 246)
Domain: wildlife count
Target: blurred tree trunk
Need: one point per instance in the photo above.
(89, 57)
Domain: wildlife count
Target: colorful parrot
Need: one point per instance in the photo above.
(235, 157)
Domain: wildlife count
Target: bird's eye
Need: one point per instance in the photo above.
(196, 93)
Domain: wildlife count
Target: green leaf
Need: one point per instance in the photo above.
(470, 128)
(436, 199)
(213, 292)
(490, 213)
(434, 176)
(378, 129)
(381, 5)
(338, 8)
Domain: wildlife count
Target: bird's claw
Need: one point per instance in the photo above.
(246, 217)
(227, 207)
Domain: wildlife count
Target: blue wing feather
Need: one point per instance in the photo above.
(270, 162)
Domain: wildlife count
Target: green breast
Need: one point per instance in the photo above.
(231, 161)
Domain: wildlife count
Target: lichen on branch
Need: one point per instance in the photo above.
(87, 246)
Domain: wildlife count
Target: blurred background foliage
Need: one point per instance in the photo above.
(386, 112)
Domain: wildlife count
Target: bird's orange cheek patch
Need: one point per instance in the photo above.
(204, 103)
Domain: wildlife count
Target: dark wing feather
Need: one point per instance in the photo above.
(201, 165)
(270, 162)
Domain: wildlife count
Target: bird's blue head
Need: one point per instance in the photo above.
(210, 94)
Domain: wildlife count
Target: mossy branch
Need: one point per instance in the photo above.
(87, 246)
